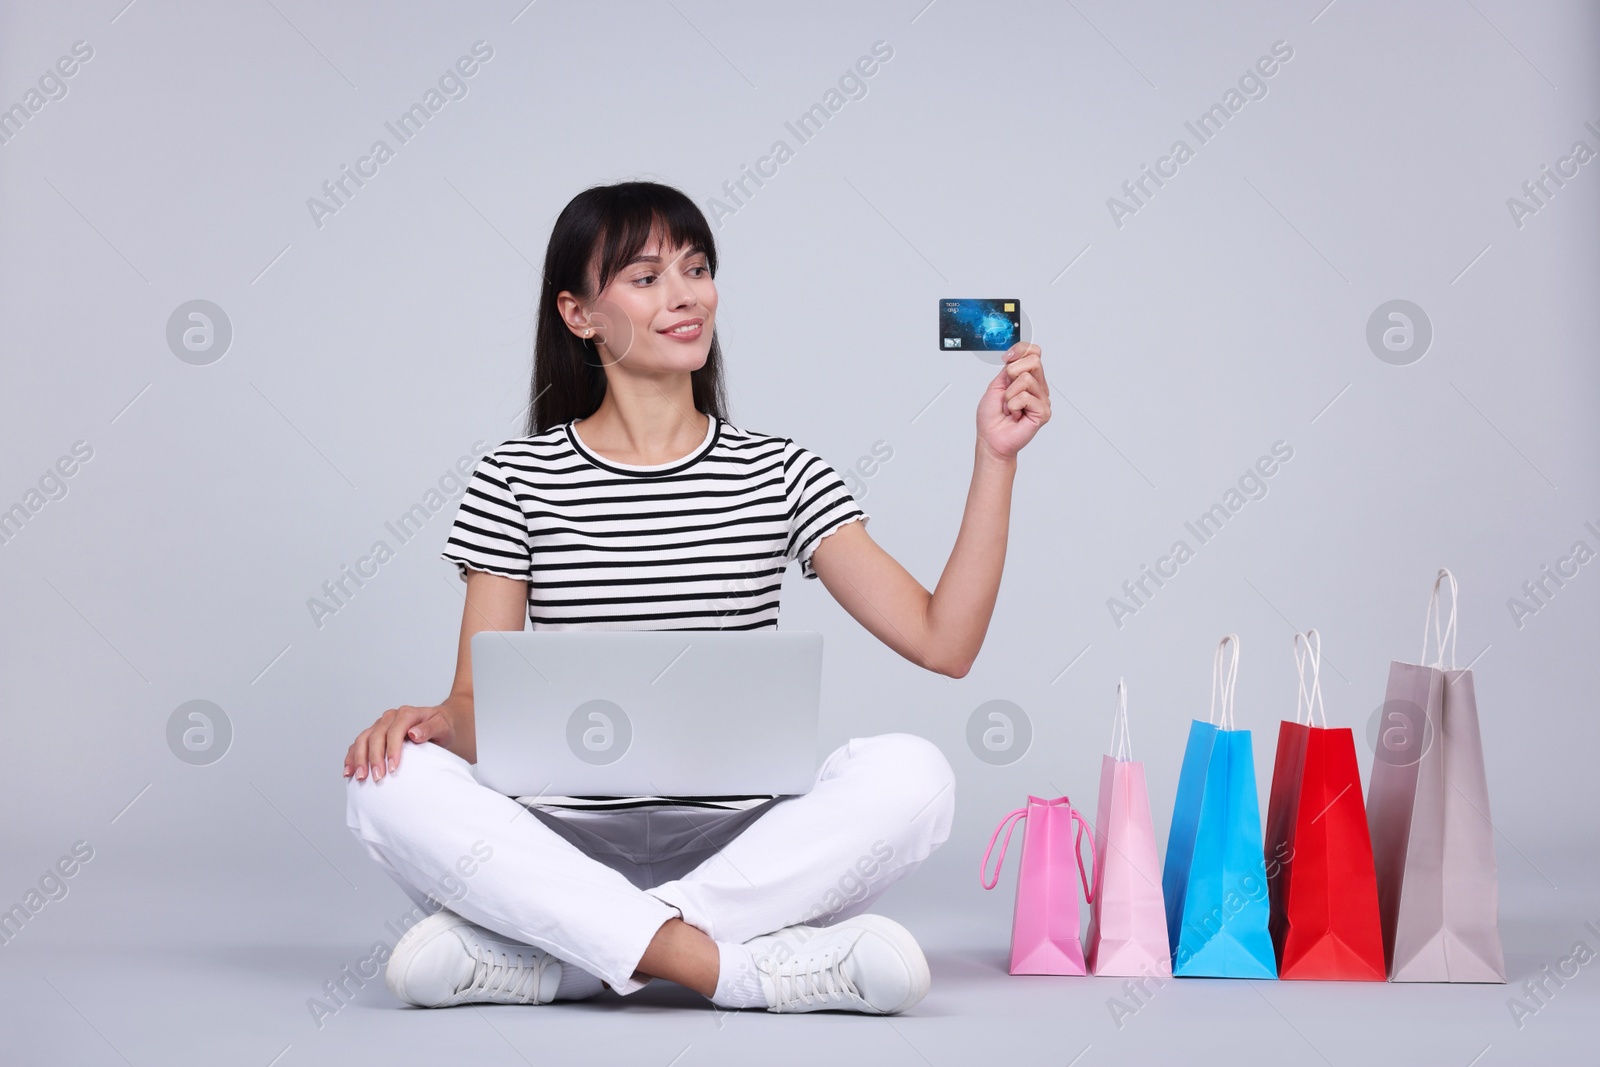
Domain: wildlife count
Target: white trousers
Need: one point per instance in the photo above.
(592, 888)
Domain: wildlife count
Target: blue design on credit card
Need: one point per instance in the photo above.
(979, 325)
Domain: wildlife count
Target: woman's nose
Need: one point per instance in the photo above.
(680, 292)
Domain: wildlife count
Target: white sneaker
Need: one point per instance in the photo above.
(445, 960)
(867, 964)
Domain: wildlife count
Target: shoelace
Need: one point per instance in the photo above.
(495, 975)
(804, 978)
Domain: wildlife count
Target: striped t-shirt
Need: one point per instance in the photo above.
(700, 543)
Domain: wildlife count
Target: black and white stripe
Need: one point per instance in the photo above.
(697, 544)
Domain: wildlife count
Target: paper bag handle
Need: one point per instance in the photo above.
(1007, 824)
(1223, 685)
(1312, 699)
(1010, 822)
(1434, 616)
(1121, 740)
(1094, 859)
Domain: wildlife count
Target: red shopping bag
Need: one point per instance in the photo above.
(1320, 877)
(1044, 922)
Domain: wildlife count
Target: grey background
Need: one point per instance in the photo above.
(368, 355)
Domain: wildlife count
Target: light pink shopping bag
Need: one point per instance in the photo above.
(1127, 912)
(1044, 923)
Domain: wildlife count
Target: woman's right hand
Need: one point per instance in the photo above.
(493, 602)
(376, 750)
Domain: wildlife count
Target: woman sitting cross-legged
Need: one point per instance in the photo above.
(634, 504)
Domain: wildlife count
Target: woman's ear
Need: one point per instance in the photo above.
(573, 314)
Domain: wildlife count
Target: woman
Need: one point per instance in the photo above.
(633, 503)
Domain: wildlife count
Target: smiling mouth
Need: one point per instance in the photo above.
(686, 329)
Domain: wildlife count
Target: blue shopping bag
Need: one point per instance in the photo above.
(1215, 879)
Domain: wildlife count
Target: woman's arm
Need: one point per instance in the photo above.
(943, 630)
(492, 603)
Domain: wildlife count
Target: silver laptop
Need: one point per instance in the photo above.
(647, 712)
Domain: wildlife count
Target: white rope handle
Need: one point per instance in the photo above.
(1313, 699)
(1121, 740)
(1223, 685)
(1434, 617)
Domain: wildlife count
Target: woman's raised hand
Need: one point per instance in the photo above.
(1016, 403)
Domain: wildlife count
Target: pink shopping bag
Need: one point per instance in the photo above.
(1044, 924)
(1127, 912)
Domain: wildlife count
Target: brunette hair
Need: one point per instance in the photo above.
(607, 225)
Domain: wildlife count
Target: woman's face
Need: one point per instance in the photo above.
(657, 314)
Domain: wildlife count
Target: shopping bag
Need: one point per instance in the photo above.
(1127, 915)
(1320, 881)
(1215, 882)
(1428, 813)
(1044, 922)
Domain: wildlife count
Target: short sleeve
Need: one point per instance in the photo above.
(819, 504)
(490, 532)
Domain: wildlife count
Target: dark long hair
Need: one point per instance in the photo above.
(615, 221)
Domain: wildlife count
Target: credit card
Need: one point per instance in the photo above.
(979, 325)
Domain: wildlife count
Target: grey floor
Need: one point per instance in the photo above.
(172, 966)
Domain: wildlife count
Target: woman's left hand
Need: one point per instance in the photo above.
(1016, 403)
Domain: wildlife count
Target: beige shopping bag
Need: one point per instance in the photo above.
(1428, 813)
